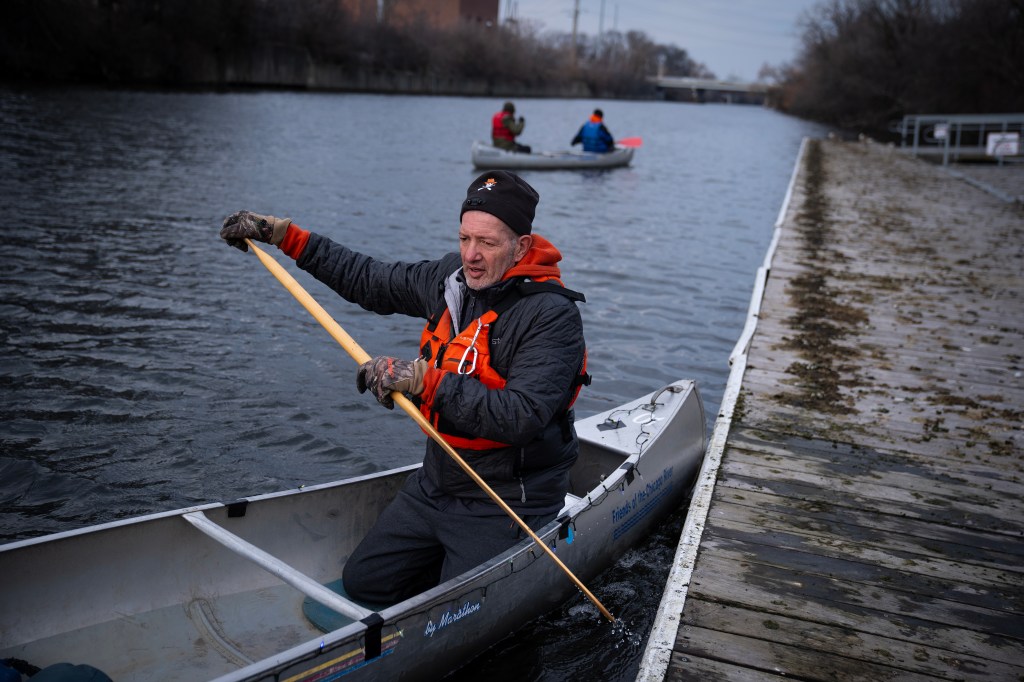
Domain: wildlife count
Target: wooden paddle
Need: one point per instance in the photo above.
(360, 356)
(629, 142)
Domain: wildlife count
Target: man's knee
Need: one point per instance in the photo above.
(385, 585)
(357, 582)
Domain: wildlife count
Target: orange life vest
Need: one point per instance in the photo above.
(468, 352)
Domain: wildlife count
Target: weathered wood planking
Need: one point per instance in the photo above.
(867, 520)
(853, 654)
(866, 468)
(851, 599)
(818, 512)
(804, 661)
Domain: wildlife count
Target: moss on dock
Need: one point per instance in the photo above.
(821, 319)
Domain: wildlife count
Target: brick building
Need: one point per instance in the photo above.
(433, 13)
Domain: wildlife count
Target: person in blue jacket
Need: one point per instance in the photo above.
(594, 135)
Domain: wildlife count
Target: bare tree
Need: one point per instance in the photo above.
(256, 42)
(865, 63)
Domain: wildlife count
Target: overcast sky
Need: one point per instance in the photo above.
(733, 38)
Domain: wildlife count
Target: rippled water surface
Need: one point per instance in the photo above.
(145, 366)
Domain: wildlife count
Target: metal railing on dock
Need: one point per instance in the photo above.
(964, 136)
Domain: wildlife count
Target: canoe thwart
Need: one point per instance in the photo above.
(272, 564)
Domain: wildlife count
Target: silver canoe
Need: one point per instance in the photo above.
(487, 157)
(231, 592)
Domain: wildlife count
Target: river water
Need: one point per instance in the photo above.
(145, 366)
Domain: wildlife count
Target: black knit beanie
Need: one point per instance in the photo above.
(504, 195)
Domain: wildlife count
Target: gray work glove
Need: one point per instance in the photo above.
(248, 225)
(383, 374)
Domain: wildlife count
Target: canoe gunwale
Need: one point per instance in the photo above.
(485, 156)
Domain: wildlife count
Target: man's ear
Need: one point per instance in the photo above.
(523, 244)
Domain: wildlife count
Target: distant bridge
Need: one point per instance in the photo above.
(707, 90)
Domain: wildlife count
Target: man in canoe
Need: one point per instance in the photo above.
(594, 135)
(501, 360)
(505, 128)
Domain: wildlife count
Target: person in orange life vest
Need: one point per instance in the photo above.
(502, 356)
(505, 128)
(594, 135)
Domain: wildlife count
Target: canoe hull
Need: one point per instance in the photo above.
(487, 157)
(180, 605)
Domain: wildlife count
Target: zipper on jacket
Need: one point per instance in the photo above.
(522, 462)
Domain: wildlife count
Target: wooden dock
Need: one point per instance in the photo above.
(860, 515)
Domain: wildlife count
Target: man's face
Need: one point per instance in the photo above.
(489, 248)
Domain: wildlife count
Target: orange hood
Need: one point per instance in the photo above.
(539, 262)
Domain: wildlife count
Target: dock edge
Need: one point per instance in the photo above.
(658, 652)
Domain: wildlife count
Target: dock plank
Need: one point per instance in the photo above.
(855, 604)
(801, 662)
(693, 669)
(811, 513)
(925, 562)
(915, 474)
(972, 504)
(866, 540)
(997, 471)
(804, 641)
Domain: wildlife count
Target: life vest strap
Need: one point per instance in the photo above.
(527, 287)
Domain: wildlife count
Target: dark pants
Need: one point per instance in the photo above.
(511, 147)
(415, 546)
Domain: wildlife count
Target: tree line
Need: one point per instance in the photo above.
(866, 63)
(863, 63)
(196, 42)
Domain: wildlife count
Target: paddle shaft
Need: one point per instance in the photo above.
(360, 356)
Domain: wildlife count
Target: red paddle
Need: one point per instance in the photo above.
(629, 142)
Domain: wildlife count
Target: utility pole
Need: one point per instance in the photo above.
(600, 23)
(575, 20)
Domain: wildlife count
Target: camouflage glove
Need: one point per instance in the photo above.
(383, 374)
(247, 225)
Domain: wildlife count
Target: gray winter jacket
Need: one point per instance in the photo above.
(537, 345)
